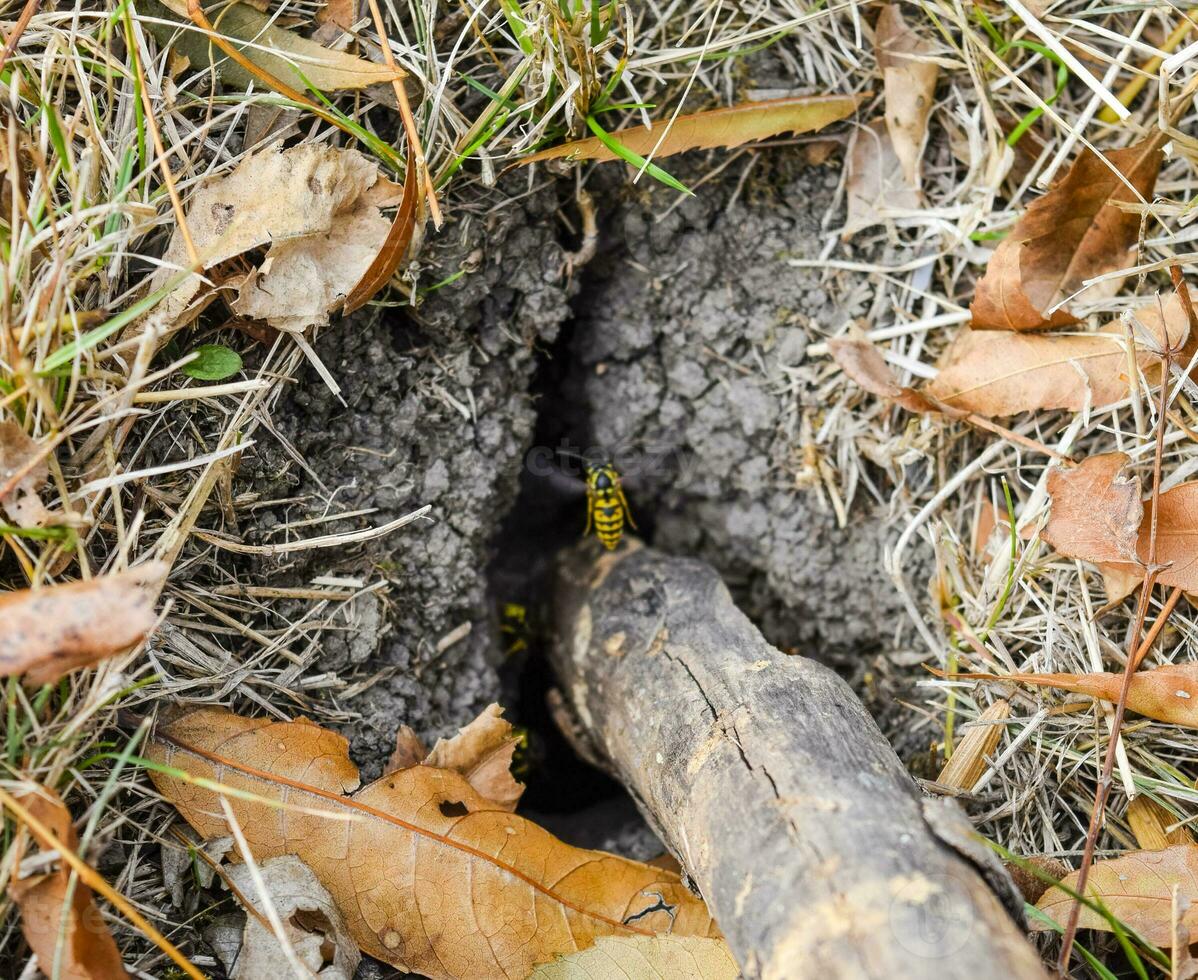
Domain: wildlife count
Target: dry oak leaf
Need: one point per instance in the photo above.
(656, 957)
(316, 206)
(876, 188)
(53, 630)
(999, 373)
(1074, 232)
(1168, 693)
(427, 874)
(729, 126)
(88, 951)
(23, 471)
(1137, 888)
(909, 84)
(482, 752)
(1096, 510)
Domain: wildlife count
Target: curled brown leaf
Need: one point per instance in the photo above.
(1074, 232)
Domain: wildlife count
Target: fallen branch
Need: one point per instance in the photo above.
(771, 784)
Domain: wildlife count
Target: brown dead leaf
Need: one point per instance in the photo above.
(1137, 888)
(1072, 233)
(1176, 546)
(311, 923)
(343, 13)
(409, 751)
(1000, 373)
(1096, 510)
(659, 957)
(1168, 693)
(876, 188)
(316, 206)
(864, 364)
(725, 127)
(88, 951)
(482, 752)
(23, 471)
(51, 631)
(429, 877)
(909, 83)
(390, 254)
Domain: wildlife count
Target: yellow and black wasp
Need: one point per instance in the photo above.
(607, 507)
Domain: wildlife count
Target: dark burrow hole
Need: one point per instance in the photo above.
(566, 794)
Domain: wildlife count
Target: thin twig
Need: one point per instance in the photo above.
(1136, 653)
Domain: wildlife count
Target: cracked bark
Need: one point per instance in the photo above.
(771, 784)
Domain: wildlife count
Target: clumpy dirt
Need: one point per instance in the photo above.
(689, 349)
(679, 348)
(436, 412)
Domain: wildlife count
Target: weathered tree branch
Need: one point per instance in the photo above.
(769, 781)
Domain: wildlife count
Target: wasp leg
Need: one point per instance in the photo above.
(590, 510)
(627, 509)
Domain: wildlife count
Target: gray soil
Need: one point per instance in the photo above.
(680, 348)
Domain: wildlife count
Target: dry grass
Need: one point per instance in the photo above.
(141, 460)
(1034, 611)
(104, 135)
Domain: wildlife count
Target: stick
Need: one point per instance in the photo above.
(771, 784)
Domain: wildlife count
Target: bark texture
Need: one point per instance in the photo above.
(772, 785)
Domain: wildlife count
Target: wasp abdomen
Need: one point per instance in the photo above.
(607, 509)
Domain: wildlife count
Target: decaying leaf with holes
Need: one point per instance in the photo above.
(1137, 888)
(1075, 232)
(429, 876)
(1168, 693)
(50, 631)
(316, 207)
(87, 950)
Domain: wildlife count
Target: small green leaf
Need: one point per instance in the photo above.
(214, 363)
